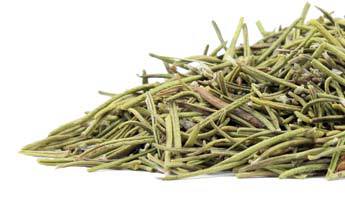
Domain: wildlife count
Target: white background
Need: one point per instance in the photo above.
(56, 55)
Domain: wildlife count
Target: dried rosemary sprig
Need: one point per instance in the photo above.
(271, 109)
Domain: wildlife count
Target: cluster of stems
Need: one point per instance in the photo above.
(275, 108)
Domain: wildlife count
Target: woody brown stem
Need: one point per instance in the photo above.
(218, 103)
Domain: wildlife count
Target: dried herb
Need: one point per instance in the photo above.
(271, 109)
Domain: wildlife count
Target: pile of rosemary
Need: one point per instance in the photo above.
(272, 109)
